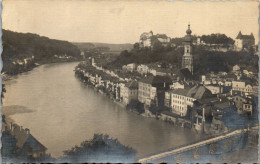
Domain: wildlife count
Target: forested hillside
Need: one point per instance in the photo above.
(19, 46)
(204, 61)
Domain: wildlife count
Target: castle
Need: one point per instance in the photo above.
(244, 41)
(147, 39)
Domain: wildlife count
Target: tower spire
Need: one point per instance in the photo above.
(187, 58)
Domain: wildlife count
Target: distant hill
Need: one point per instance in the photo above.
(19, 46)
(112, 47)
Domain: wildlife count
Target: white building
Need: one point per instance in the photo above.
(142, 69)
(182, 99)
(177, 85)
(128, 92)
(242, 87)
(236, 68)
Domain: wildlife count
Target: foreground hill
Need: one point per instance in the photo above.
(20, 48)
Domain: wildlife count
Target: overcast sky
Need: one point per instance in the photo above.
(121, 21)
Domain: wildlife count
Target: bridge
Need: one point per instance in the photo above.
(184, 148)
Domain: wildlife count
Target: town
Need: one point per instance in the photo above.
(210, 102)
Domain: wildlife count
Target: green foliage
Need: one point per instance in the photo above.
(217, 39)
(101, 148)
(20, 45)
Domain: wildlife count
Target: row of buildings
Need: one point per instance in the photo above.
(171, 100)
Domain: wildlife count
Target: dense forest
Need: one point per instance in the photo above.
(18, 46)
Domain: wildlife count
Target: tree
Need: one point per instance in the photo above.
(101, 148)
(9, 148)
(157, 46)
(136, 46)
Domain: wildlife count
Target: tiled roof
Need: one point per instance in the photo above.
(196, 92)
(161, 36)
(156, 79)
(34, 144)
(222, 105)
(182, 92)
(132, 85)
(240, 36)
(208, 100)
(26, 139)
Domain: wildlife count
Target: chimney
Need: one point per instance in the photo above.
(11, 129)
(27, 131)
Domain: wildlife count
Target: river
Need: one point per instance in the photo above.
(66, 112)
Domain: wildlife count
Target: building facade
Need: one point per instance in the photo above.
(244, 41)
(183, 99)
(130, 92)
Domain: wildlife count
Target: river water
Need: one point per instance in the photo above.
(66, 112)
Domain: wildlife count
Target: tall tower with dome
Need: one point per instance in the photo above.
(187, 59)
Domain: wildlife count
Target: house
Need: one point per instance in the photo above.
(129, 67)
(243, 104)
(225, 118)
(145, 39)
(242, 86)
(142, 69)
(177, 85)
(215, 89)
(130, 92)
(236, 68)
(182, 99)
(202, 114)
(151, 90)
(244, 41)
(28, 145)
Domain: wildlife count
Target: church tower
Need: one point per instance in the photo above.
(187, 59)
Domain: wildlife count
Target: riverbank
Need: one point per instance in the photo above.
(23, 67)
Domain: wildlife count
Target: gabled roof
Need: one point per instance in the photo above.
(25, 139)
(34, 144)
(196, 92)
(222, 105)
(132, 85)
(240, 36)
(161, 36)
(182, 92)
(156, 79)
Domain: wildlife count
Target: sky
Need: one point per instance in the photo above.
(123, 21)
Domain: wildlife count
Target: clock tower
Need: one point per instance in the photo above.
(187, 59)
